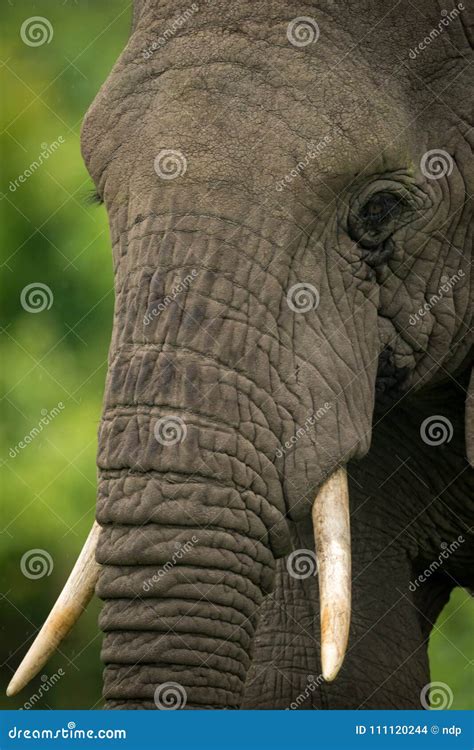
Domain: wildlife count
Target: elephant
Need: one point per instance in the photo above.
(284, 483)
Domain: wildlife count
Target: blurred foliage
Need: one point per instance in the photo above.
(451, 649)
(53, 236)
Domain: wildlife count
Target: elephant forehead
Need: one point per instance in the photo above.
(243, 108)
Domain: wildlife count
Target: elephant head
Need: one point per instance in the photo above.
(288, 189)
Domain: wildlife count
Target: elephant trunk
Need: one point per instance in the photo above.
(186, 563)
(191, 510)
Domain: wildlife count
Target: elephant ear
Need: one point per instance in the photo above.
(470, 420)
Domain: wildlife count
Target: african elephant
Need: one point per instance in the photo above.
(288, 187)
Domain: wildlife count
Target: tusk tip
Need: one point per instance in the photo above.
(13, 688)
(72, 601)
(331, 662)
(331, 524)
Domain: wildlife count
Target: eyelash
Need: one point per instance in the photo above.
(93, 198)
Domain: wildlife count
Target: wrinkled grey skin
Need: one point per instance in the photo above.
(244, 370)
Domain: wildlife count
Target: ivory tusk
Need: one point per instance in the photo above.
(72, 601)
(332, 536)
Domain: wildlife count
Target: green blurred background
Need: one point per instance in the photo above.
(54, 236)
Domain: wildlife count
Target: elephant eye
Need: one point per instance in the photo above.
(373, 222)
(379, 209)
